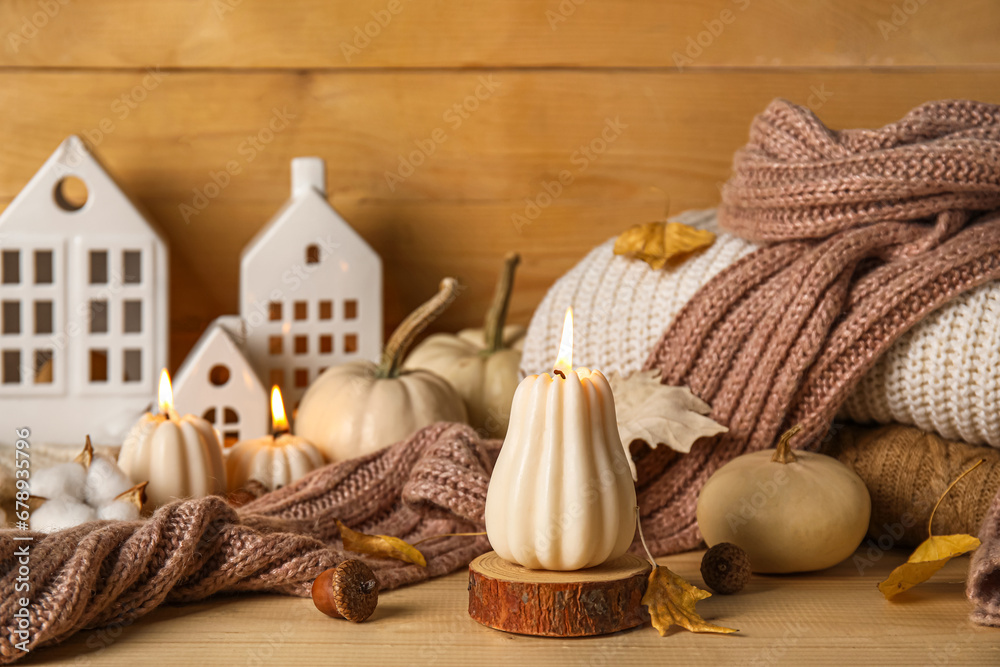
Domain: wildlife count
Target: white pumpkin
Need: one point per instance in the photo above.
(180, 456)
(483, 365)
(274, 461)
(790, 512)
(360, 407)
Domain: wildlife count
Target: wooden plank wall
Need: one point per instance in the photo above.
(493, 99)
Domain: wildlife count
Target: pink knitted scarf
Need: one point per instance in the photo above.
(872, 230)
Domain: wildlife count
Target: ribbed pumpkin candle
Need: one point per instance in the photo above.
(180, 456)
(561, 496)
(275, 460)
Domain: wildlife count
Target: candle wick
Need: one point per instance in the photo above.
(559, 372)
(280, 432)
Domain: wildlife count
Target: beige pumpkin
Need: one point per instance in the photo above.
(483, 365)
(790, 512)
(274, 461)
(360, 407)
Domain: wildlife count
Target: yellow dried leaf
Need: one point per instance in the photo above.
(932, 553)
(657, 243)
(384, 546)
(927, 559)
(671, 601)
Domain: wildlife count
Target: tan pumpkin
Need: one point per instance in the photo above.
(360, 407)
(791, 512)
(483, 365)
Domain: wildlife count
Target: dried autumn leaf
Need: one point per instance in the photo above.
(659, 414)
(657, 243)
(671, 601)
(384, 546)
(931, 555)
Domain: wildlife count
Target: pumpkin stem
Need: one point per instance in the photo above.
(930, 521)
(783, 452)
(404, 335)
(496, 316)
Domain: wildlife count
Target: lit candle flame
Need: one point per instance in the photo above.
(278, 419)
(166, 393)
(564, 362)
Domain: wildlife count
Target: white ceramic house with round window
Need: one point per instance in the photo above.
(218, 383)
(310, 289)
(83, 306)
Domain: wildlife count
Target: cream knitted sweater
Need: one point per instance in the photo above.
(943, 375)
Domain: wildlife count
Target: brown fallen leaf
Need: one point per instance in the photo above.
(671, 600)
(931, 555)
(384, 546)
(657, 243)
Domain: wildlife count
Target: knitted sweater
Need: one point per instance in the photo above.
(941, 376)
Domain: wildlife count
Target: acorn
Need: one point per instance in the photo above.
(349, 591)
(725, 568)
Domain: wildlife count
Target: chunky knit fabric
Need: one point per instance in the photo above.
(868, 232)
(906, 471)
(105, 573)
(942, 375)
(983, 587)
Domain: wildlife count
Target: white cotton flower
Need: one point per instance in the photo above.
(61, 513)
(65, 479)
(87, 489)
(118, 510)
(105, 481)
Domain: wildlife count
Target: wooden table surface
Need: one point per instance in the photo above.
(836, 617)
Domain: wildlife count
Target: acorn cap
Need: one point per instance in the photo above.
(725, 568)
(349, 591)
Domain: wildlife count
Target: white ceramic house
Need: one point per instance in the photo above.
(217, 382)
(83, 325)
(310, 289)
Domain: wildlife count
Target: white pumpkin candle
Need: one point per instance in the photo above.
(561, 496)
(180, 456)
(275, 460)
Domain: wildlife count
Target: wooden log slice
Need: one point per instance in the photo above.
(594, 601)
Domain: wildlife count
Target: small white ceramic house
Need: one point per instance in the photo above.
(217, 382)
(83, 286)
(310, 289)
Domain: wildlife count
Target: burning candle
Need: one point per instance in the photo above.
(180, 456)
(275, 460)
(561, 496)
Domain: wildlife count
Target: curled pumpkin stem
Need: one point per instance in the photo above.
(496, 316)
(783, 452)
(404, 335)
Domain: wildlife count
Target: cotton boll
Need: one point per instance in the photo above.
(105, 481)
(119, 510)
(61, 513)
(65, 479)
